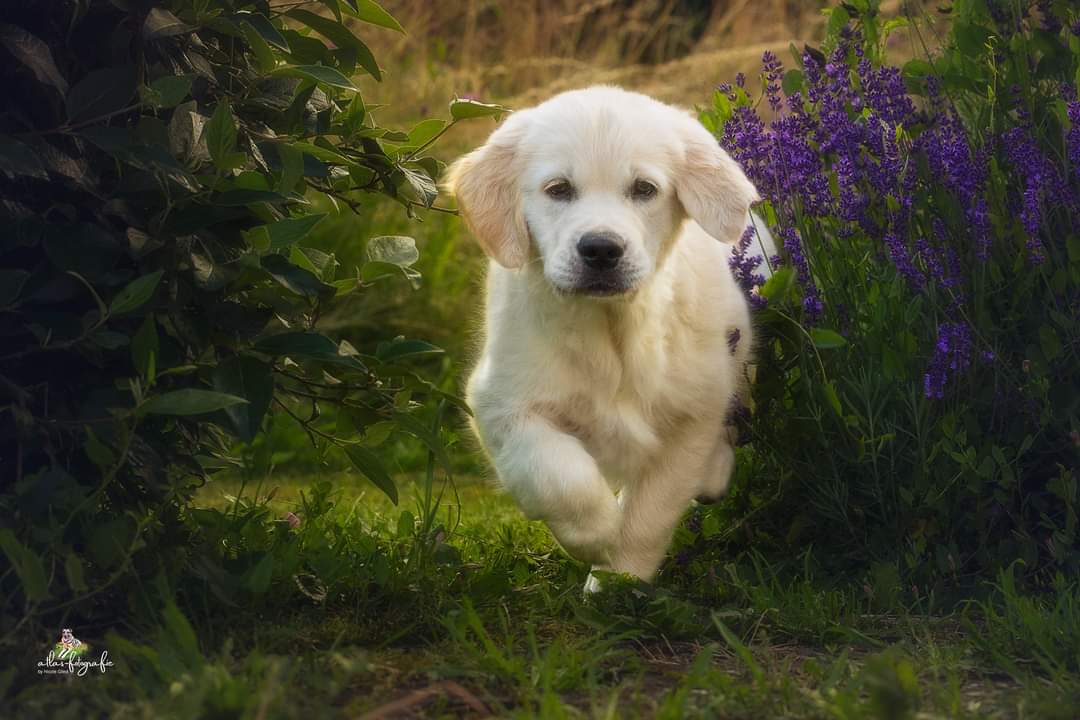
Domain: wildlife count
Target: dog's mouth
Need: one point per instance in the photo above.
(595, 284)
(602, 289)
(600, 286)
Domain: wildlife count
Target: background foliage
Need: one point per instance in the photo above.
(917, 403)
(162, 175)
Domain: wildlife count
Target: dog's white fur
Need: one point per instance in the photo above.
(606, 416)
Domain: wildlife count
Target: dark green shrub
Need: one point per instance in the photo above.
(918, 397)
(162, 164)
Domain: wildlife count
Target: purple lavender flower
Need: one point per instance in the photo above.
(1043, 184)
(902, 260)
(733, 337)
(1072, 139)
(773, 70)
(978, 218)
(952, 356)
(952, 161)
(885, 93)
(812, 305)
(744, 268)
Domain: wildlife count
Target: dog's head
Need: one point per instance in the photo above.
(596, 184)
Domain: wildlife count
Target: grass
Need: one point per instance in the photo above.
(476, 611)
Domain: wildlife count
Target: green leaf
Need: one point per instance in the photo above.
(917, 69)
(295, 278)
(792, 82)
(161, 23)
(371, 12)
(318, 73)
(250, 378)
(352, 120)
(421, 184)
(264, 56)
(426, 435)
(220, 136)
(135, 294)
(168, 91)
(181, 636)
(825, 339)
(17, 158)
(371, 467)
(376, 434)
(75, 573)
(321, 153)
(99, 453)
(374, 270)
(236, 198)
(324, 265)
(284, 233)
(833, 398)
(32, 52)
(423, 132)
(27, 566)
(259, 576)
(265, 29)
(971, 39)
(394, 249)
(776, 288)
(292, 166)
(101, 93)
(107, 542)
(145, 349)
(189, 401)
(389, 352)
(1072, 247)
(345, 286)
(307, 344)
(341, 36)
(1051, 344)
(838, 18)
(463, 109)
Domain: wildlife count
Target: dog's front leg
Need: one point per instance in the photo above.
(655, 503)
(553, 478)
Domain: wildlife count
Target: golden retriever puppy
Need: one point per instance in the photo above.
(608, 365)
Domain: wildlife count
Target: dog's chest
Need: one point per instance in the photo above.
(621, 394)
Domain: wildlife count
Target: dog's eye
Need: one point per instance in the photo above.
(560, 190)
(643, 190)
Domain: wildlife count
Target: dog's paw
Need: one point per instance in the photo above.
(592, 585)
(590, 535)
(592, 543)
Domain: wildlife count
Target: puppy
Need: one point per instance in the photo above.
(615, 335)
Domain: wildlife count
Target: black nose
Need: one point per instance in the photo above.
(600, 250)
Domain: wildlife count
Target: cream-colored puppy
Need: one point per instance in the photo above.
(616, 336)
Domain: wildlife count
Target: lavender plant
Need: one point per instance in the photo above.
(918, 395)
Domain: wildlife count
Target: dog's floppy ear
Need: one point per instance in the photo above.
(711, 186)
(487, 188)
